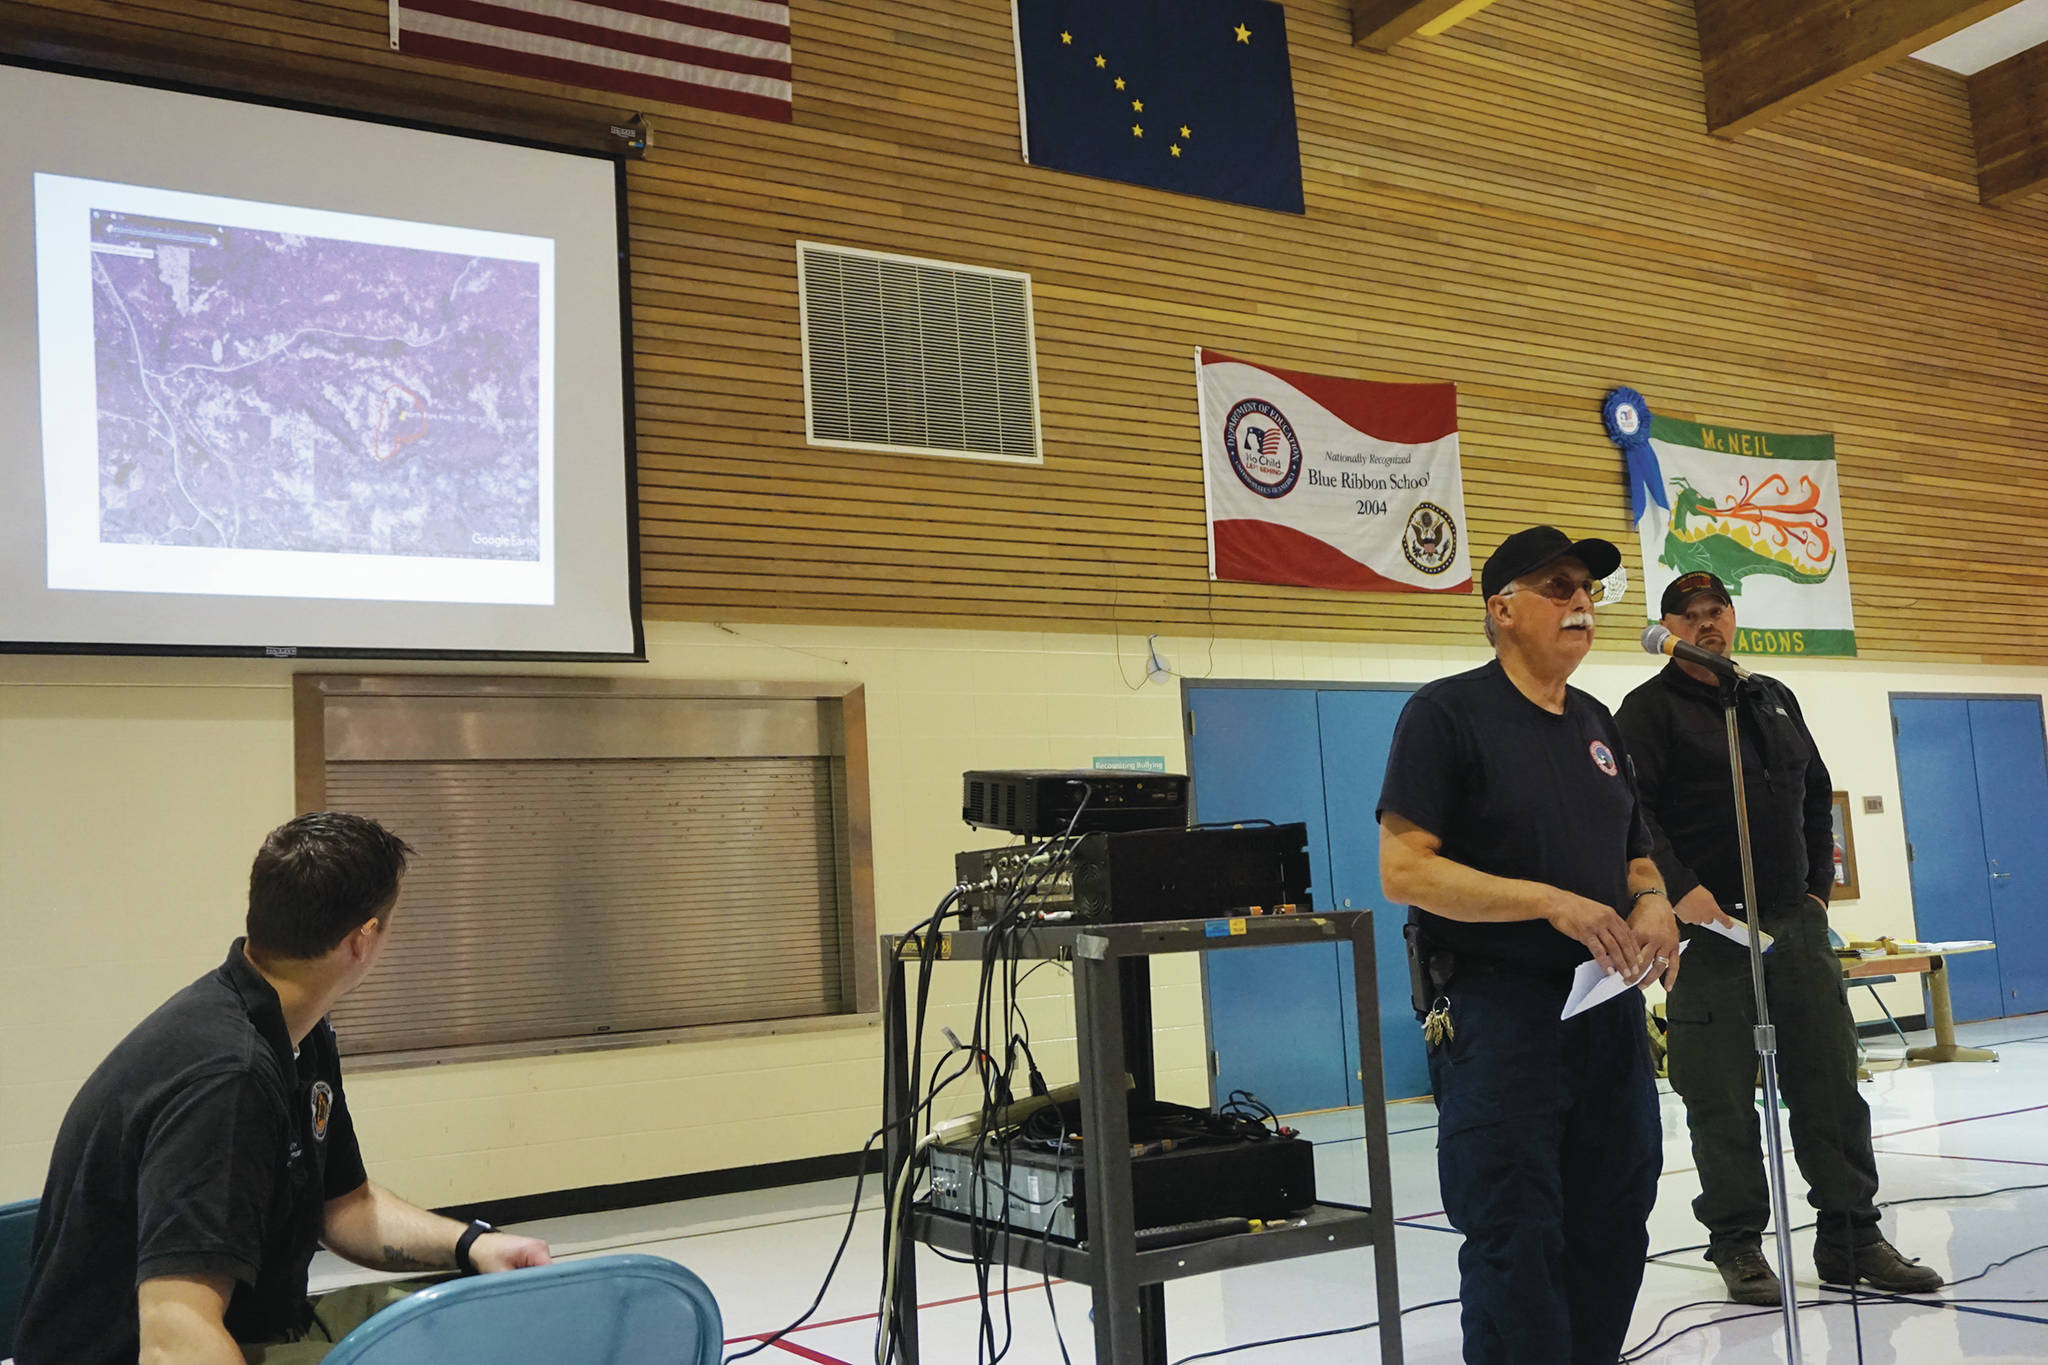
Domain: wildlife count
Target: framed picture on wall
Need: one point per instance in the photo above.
(1845, 851)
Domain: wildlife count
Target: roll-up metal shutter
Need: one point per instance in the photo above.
(593, 897)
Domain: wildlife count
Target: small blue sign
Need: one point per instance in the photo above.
(1132, 763)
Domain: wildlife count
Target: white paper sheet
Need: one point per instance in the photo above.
(1591, 986)
(1737, 932)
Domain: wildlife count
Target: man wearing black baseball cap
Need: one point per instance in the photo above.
(1509, 824)
(1676, 731)
(1680, 592)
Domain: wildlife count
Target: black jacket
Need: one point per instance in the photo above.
(1676, 734)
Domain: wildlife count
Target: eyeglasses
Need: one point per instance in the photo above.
(1563, 587)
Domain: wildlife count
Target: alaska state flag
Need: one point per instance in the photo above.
(1193, 96)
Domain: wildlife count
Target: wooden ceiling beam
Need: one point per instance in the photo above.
(2009, 111)
(1379, 24)
(1761, 58)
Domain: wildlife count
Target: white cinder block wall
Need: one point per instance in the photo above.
(133, 793)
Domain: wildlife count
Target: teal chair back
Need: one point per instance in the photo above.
(609, 1310)
(17, 1231)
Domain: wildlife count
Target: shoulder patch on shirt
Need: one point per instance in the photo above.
(323, 1109)
(1603, 758)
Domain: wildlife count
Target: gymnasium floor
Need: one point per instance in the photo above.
(1943, 1131)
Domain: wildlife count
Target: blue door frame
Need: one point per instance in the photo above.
(1280, 1020)
(1973, 785)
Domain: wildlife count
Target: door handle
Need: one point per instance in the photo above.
(1998, 876)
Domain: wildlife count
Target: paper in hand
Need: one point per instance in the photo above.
(1737, 932)
(1591, 986)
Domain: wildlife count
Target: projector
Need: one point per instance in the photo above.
(1039, 803)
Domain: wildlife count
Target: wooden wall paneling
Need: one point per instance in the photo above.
(1527, 206)
(2009, 117)
(1761, 58)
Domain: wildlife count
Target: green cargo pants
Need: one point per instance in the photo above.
(335, 1315)
(1712, 1013)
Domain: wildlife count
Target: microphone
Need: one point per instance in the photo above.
(1658, 640)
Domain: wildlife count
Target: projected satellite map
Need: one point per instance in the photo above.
(270, 391)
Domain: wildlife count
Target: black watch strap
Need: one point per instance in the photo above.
(477, 1228)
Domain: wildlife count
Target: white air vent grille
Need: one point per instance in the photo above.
(917, 356)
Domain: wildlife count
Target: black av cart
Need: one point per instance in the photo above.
(1113, 1024)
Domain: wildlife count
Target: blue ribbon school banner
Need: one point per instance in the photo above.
(1193, 96)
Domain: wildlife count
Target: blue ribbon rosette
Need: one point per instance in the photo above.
(1627, 419)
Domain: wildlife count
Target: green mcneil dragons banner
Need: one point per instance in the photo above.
(1763, 510)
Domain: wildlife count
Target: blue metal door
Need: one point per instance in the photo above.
(1357, 732)
(2012, 790)
(1939, 793)
(1254, 754)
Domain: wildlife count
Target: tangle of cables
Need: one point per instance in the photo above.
(998, 1057)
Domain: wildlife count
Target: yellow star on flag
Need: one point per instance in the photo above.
(1175, 149)
(1067, 38)
(1244, 35)
(1184, 131)
(1119, 82)
(1137, 131)
(1101, 60)
(1138, 106)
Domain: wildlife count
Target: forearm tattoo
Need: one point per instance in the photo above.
(397, 1258)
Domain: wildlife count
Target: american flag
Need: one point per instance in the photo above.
(717, 54)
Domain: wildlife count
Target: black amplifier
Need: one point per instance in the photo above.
(1139, 875)
(1041, 803)
(1267, 1179)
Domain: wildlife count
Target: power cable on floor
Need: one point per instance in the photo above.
(1306, 1336)
(1641, 1350)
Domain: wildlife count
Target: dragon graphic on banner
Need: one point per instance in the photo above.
(1761, 510)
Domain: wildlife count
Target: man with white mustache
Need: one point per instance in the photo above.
(1509, 824)
(1676, 729)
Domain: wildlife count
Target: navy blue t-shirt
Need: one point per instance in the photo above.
(1516, 791)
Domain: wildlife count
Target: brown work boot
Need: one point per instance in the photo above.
(1749, 1277)
(1877, 1264)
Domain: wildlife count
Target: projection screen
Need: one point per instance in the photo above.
(275, 381)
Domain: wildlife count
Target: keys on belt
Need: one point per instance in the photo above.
(1437, 1028)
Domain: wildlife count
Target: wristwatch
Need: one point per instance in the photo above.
(477, 1228)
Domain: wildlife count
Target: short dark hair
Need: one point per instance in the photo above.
(319, 878)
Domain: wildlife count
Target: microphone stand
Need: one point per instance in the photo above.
(1766, 1033)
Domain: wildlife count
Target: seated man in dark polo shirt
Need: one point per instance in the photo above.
(212, 1151)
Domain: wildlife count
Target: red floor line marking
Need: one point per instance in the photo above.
(870, 1317)
(1945, 1123)
(806, 1353)
(1956, 1156)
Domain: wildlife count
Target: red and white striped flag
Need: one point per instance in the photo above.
(717, 54)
